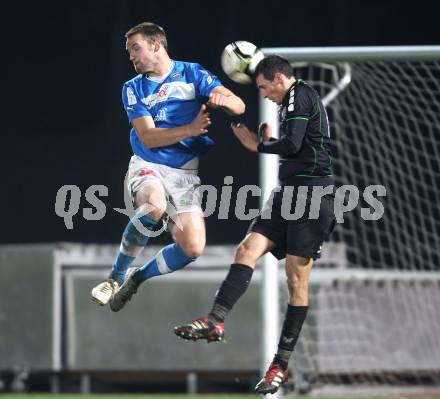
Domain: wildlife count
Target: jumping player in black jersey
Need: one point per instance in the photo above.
(304, 171)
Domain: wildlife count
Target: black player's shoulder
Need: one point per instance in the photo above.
(304, 89)
(302, 85)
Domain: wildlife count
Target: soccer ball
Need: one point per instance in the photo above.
(239, 60)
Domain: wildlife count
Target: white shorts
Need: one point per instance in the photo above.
(180, 185)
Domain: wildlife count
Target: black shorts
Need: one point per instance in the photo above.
(303, 236)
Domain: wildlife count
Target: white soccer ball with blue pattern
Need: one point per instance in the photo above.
(239, 60)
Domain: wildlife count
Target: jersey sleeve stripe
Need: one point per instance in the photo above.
(297, 117)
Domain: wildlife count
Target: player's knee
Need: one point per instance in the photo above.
(297, 279)
(154, 209)
(245, 253)
(193, 248)
(293, 282)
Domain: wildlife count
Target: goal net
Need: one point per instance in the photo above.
(375, 321)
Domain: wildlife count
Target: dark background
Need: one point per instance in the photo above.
(65, 61)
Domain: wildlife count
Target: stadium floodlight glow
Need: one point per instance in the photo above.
(384, 110)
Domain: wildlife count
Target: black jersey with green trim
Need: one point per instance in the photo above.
(304, 143)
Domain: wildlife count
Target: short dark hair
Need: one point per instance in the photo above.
(150, 31)
(272, 64)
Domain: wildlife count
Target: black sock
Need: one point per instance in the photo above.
(293, 322)
(232, 288)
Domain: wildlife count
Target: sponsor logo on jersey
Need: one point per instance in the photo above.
(130, 96)
(179, 90)
(161, 115)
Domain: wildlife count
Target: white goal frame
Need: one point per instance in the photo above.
(269, 163)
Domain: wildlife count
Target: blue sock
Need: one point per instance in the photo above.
(167, 260)
(132, 243)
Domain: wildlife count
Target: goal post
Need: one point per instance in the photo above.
(270, 283)
(362, 53)
(384, 112)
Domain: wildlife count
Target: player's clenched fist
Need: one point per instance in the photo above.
(217, 100)
(265, 131)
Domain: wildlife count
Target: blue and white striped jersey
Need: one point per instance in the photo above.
(172, 103)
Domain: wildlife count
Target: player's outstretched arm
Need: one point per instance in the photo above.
(221, 97)
(248, 138)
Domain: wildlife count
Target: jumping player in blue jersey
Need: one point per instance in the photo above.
(167, 105)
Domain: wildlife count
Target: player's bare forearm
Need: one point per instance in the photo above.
(152, 136)
(223, 98)
(235, 106)
(159, 137)
(247, 137)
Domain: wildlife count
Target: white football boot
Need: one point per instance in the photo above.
(104, 291)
